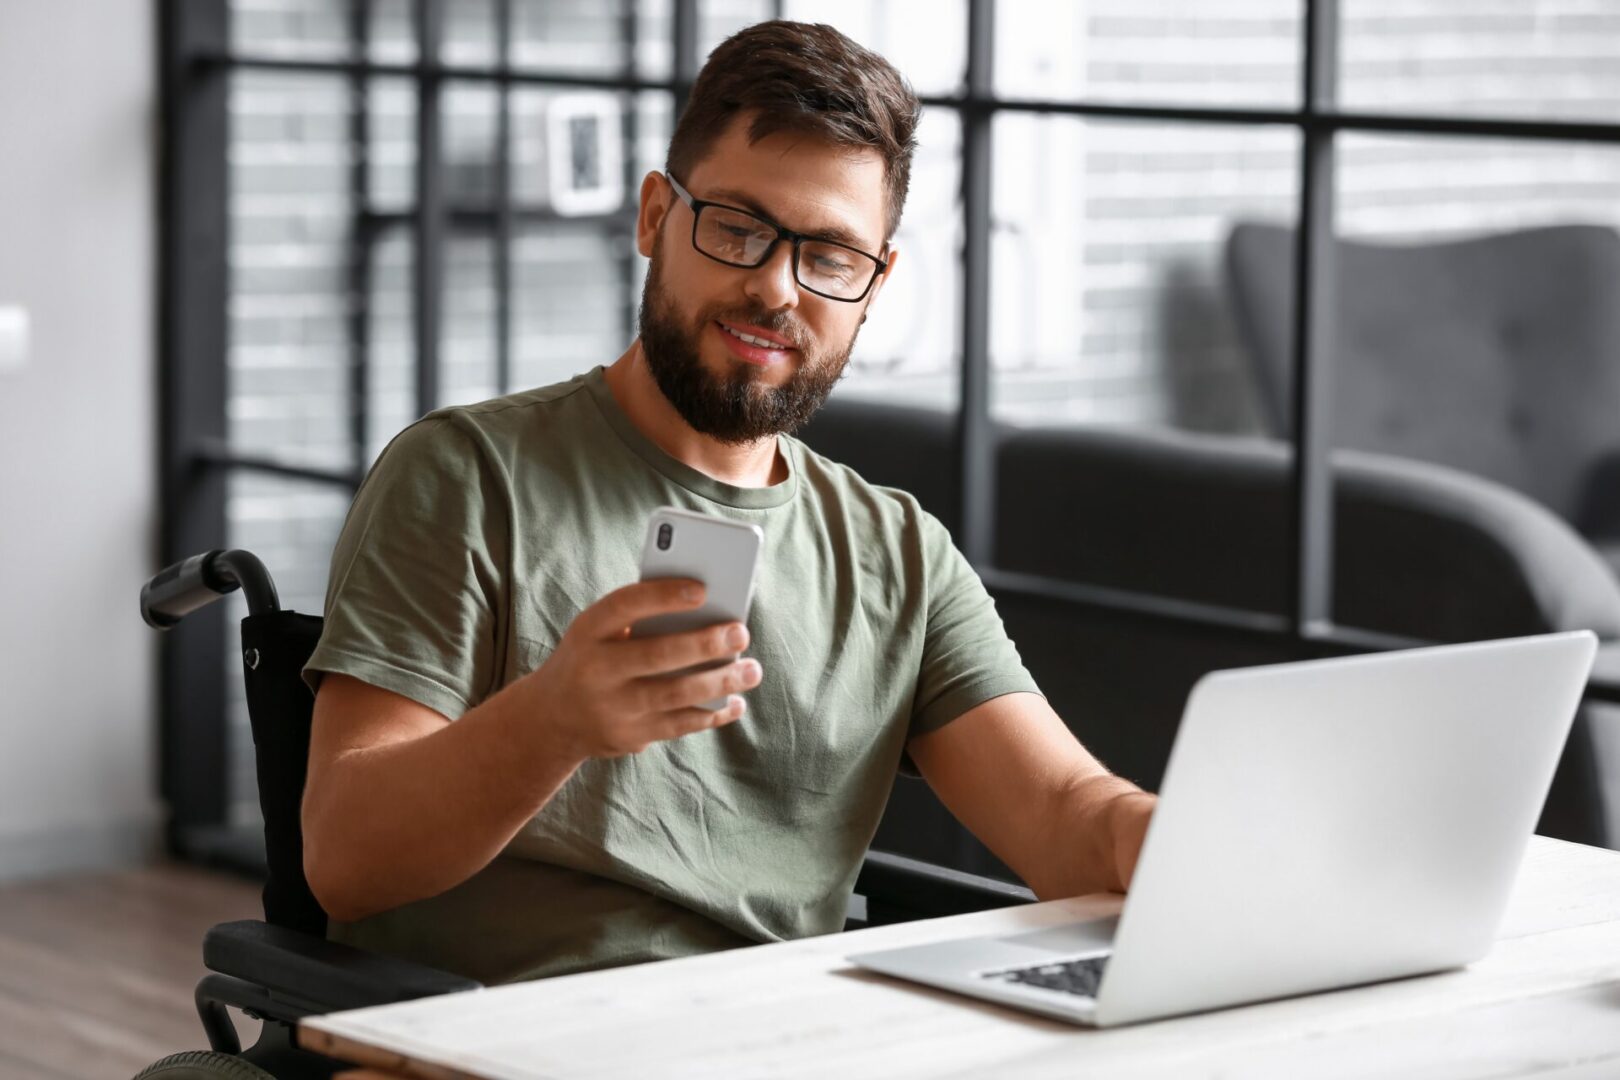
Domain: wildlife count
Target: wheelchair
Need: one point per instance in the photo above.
(282, 969)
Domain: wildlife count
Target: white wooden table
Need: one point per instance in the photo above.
(1546, 1001)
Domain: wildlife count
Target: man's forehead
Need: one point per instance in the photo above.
(804, 183)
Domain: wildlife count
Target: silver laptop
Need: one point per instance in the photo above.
(1320, 825)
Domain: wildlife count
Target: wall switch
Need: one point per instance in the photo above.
(13, 337)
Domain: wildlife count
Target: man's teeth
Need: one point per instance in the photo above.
(751, 339)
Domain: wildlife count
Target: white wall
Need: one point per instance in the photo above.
(77, 434)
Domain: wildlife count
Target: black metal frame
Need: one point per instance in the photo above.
(196, 59)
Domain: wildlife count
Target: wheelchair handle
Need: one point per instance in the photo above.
(178, 590)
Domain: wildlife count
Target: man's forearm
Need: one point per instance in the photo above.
(1019, 780)
(396, 823)
(1091, 830)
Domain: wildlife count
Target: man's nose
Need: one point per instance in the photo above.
(771, 282)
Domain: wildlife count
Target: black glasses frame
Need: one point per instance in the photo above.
(697, 207)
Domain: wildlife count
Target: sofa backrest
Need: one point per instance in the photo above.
(1497, 355)
(1421, 551)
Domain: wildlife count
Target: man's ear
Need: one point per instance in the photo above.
(877, 286)
(656, 198)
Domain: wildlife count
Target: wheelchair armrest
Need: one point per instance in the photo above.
(897, 888)
(324, 975)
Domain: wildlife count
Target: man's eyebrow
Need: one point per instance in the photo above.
(836, 233)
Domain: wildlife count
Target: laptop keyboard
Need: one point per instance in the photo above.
(1079, 977)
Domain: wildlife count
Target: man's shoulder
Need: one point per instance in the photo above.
(489, 435)
(834, 481)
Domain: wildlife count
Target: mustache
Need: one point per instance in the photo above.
(777, 322)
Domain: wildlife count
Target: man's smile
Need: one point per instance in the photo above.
(753, 344)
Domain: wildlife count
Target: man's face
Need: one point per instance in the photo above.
(692, 307)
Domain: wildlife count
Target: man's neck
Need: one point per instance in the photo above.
(748, 465)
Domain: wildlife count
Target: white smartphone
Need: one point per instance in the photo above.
(722, 554)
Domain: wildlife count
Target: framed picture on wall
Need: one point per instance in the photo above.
(584, 154)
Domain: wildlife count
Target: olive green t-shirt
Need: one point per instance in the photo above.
(478, 536)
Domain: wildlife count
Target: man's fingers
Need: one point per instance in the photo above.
(608, 617)
(678, 722)
(665, 653)
(685, 691)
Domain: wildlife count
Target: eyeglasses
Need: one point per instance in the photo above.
(738, 238)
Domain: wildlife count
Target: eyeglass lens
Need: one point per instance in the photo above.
(744, 240)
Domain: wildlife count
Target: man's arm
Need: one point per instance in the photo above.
(401, 804)
(1020, 782)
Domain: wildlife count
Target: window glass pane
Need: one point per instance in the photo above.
(307, 29)
(471, 36)
(655, 37)
(572, 299)
(467, 346)
(1555, 59)
(388, 246)
(292, 235)
(390, 314)
(1107, 300)
(471, 116)
(467, 362)
(655, 121)
(910, 348)
(585, 36)
(1186, 52)
(393, 32)
(1477, 332)
(391, 153)
(925, 39)
(1409, 188)
(322, 29)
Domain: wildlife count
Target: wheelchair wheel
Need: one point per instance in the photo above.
(202, 1065)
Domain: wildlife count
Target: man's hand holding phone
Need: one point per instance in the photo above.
(606, 694)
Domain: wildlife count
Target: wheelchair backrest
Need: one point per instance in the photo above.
(275, 647)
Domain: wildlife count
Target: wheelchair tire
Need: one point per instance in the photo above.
(202, 1065)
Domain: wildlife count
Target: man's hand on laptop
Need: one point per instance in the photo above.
(607, 694)
(1128, 823)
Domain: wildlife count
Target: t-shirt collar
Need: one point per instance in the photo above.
(699, 483)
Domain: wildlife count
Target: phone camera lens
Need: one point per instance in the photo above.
(665, 531)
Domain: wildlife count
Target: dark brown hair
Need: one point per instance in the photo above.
(805, 78)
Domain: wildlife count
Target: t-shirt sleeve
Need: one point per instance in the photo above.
(415, 601)
(967, 656)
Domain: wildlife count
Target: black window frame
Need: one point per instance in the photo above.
(196, 59)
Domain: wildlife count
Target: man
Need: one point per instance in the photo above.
(503, 783)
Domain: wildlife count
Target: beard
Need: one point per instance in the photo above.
(735, 407)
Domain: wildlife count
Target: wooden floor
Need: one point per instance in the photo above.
(97, 972)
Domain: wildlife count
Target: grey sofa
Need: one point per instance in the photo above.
(1423, 552)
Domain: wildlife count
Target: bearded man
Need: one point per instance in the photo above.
(504, 784)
